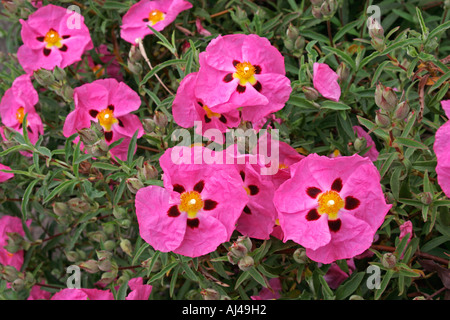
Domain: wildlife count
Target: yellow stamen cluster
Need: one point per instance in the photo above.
(330, 203)
(191, 202)
(210, 113)
(52, 39)
(20, 114)
(106, 119)
(245, 72)
(156, 16)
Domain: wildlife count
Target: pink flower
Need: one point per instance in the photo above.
(442, 150)
(4, 176)
(83, 294)
(158, 14)
(331, 206)
(373, 153)
(335, 275)
(109, 103)
(139, 290)
(109, 64)
(405, 229)
(325, 81)
(187, 109)
(244, 71)
(19, 100)
(200, 29)
(37, 293)
(198, 207)
(258, 217)
(9, 224)
(268, 294)
(53, 36)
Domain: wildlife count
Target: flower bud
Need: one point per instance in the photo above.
(402, 111)
(108, 277)
(246, 263)
(88, 136)
(241, 15)
(156, 266)
(245, 240)
(125, 245)
(134, 184)
(356, 297)
(72, 256)
(317, 3)
(300, 256)
(299, 43)
(9, 273)
(147, 172)
(238, 250)
(447, 4)
(316, 12)
(328, 9)
(160, 119)
(360, 144)
(110, 245)
(104, 265)
(97, 236)
(134, 67)
(60, 208)
(382, 120)
(125, 223)
(11, 7)
(292, 32)
(135, 54)
(232, 258)
(90, 266)
(103, 255)
(18, 284)
(310, 93)
(389, 260)
(109, 227)
(149, 125)
(210, 294)
(343, 72)
(376, 31)
(59, 73)
(79, 205)
(426, 198)
(119, 212)
(385, 98)
(44, 77)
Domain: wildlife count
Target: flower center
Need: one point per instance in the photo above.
(98, 70)
(282, 166)
(52, 38)
(330, 203)
(106, 119)
(210, 113)
(155, 16)
(245, 72)
(20, 115)
(191, 202)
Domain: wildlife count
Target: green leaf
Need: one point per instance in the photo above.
(344, 56)
(163, 271)
(26, 198)
(387, 277)
(331, 105)
(122, 292)
(349, 286)
(132, 148)
(105, 166)
(59, 189)
(160, 67)
(407, 142)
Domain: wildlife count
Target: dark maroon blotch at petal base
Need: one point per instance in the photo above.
(173, 212)
(240, 89)
(235, 63)
(257, 69)
(207, 120)
(145, 20)
(312, 215)
(111, 107)
(93, 113)
(199, 186)
(257, 86)
(223, 119)
(313, 192)
(63, 48)
(247, 210)
(209, 205)
(228, 78)
(351, 203)
(29, 129)
(254, 190)
(242, 173)
(334, 225)
(337, 185)
(47, 52)
(178, 188)
(108, 136)
(40, 39)
(120, 123)
(66, 37)
(193, 223)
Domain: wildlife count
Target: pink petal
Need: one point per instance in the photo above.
(325, 81)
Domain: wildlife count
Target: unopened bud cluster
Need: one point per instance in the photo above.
(56, 81)
(324, 9)
(376, 33)
(238, 253)
(392, 112)
(293, 41)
